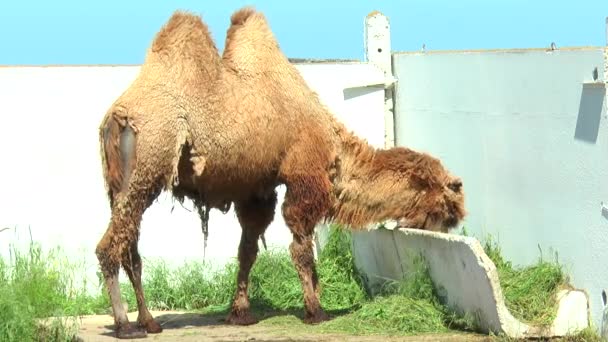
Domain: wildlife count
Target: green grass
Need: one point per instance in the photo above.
(34, 285)
(274, 282)
(586, 335)
(530, 292)
(401, 308)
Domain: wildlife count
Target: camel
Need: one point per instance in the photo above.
(226, 130)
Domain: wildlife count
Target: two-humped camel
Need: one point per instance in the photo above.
(230, 129)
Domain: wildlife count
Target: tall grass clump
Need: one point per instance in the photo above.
(33, 287)
(530, 292)
(342, 285)
(401, 308)
(275, 281)
(191, 286)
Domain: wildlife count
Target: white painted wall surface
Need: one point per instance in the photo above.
(51, 169)
(530, 142)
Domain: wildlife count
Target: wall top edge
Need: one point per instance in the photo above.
(511, 50)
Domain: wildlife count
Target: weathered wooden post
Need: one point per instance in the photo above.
(378, 52)
(606, 55)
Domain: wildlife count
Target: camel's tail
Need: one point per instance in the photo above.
(118, 154)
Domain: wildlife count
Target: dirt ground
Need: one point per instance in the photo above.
(190, 327)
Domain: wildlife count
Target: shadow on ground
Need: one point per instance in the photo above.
(275, 325)
(216, 316)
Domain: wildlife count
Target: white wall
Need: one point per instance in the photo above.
(51, 170)
(530, 141)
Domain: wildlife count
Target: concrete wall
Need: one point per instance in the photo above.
(52, 181)
(530, 140)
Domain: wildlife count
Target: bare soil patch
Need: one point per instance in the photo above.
(189, 327)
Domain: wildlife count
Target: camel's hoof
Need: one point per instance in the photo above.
(244, 318)
(151, 326)
(128, 332)
(317, 317)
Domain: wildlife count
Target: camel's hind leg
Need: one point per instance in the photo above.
(133, 186)
(115, 248)
(254, 216)
(110, 262)
(132, 266)
(137, 202)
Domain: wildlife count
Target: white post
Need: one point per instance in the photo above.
(378, 52)
(606, 55)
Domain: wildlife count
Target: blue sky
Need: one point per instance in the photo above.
(117, 32)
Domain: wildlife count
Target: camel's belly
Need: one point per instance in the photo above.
(237, 165)
(221, 182)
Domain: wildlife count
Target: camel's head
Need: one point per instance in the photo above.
(420, 192)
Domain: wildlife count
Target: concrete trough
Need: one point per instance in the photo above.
(465, 277)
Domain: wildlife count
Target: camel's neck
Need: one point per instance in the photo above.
(355, 185)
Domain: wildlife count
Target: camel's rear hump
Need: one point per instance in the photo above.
(251, 46)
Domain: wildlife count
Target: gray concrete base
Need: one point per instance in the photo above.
(465, 277)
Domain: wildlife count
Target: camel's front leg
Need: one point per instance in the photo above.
(306, 202)
(254, 216)
(302, 255)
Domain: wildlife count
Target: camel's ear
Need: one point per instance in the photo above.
(455, 185)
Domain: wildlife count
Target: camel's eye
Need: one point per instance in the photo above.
(455, 185)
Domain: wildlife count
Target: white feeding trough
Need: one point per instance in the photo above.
(464, 276)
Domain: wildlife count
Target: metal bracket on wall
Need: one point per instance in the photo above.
(388, 83)
(597, 84)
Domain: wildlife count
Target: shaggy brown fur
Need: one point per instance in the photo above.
(229, 129)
